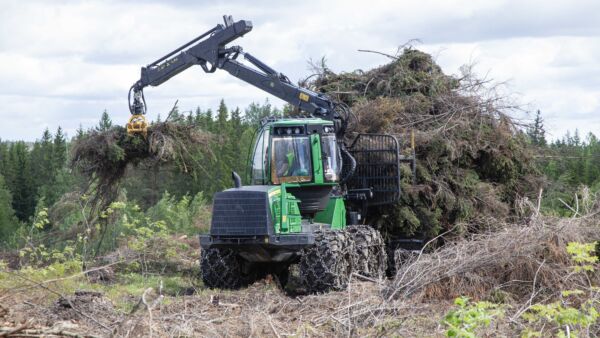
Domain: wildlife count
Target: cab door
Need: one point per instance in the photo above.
(260, 158)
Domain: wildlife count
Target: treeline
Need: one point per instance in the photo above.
(571, 165)
(36, 175)
(574, 160)
(32, 175)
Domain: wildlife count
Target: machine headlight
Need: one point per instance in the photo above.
(330, 175)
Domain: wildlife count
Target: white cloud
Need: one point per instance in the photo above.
(63, 62)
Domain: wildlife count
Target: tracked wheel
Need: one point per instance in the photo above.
(326, 265)
(223, 269)
(369, 257)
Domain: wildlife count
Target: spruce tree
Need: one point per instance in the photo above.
(47, 150)
(4, 159)
(105, 122)
(225, 154)
(198, 118)
(21, 184)
(222, 115)
(80, 132)
(236, 132)
(537, 132)
(208, 118)
(255, 112)
(8, 222)
(59, 149)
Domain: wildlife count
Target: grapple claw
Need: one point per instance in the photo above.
(137, 125)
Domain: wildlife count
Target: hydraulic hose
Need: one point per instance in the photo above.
(352, 169)
(138, 107)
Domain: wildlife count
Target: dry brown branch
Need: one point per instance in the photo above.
(502, 259)
(7, 331)
(380, 53)
(23, 331)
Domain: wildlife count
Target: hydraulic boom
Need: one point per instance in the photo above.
(209, 50)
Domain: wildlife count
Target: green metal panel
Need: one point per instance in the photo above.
(294, 218)
(315, 145)
(334, 213)
(283, 206)
(285, 211)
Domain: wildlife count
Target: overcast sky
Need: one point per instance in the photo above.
(64, 62)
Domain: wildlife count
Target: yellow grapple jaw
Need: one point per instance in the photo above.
(137, 125)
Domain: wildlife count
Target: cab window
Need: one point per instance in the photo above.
(291, 159)
(259, 159)
(332, 160)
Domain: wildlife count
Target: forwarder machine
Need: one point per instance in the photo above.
(311, 184)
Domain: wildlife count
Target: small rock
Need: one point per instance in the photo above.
(101, 275)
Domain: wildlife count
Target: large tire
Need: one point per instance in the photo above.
(368, 255)
(222, 269)
(326, 265)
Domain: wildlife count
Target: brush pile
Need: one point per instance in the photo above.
(104, 156)
(517, 262)
(472, 159)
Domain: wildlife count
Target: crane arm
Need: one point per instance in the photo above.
(210, 52)
(277, 84)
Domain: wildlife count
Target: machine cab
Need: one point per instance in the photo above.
(296, 152)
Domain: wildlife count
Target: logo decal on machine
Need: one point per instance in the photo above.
(304, 97)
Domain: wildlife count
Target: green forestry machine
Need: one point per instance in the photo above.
(311, 183)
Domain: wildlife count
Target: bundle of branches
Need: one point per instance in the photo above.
(104, 156)
(472, 159)
(519, 262)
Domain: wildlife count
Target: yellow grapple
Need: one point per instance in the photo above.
(137, 125)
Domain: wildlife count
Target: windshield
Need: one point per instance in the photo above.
(290, 160)
(331, 158)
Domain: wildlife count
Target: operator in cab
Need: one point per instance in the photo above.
(291, 159)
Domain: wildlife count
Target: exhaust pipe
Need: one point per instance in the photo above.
(237, 180)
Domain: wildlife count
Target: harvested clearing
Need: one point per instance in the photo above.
(516, 266)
